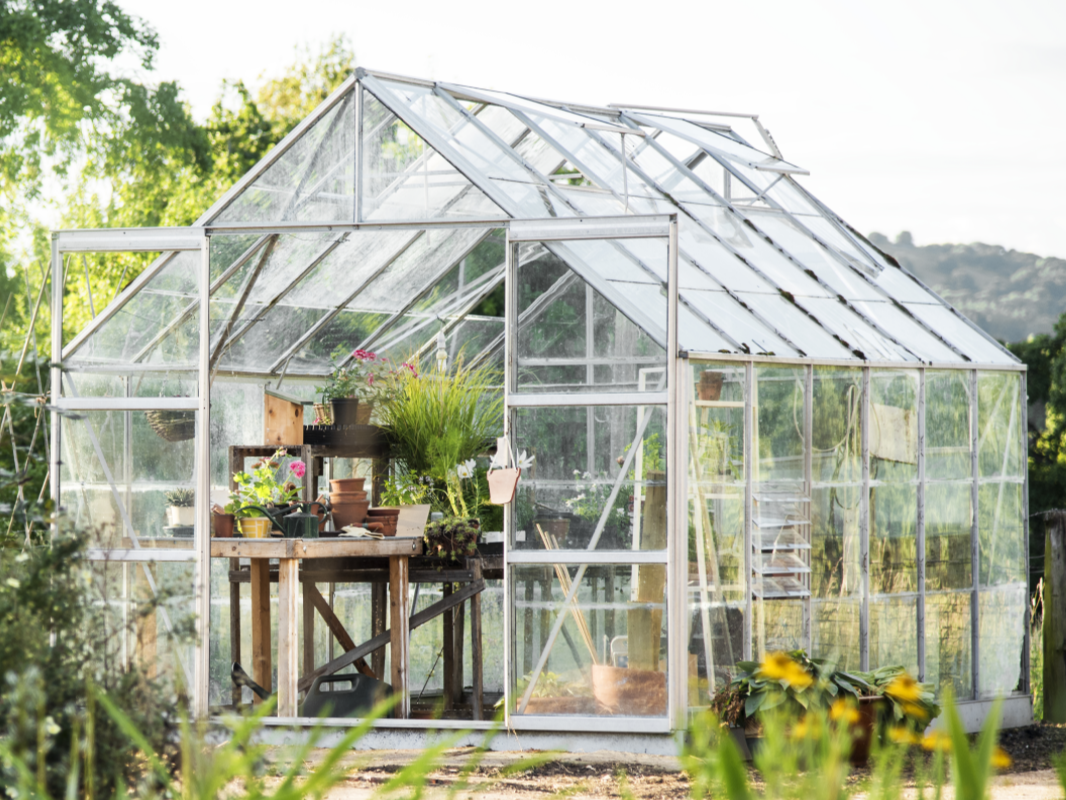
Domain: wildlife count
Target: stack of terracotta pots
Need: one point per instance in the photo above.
(348, 502)
(383, 520)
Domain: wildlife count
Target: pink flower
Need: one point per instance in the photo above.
(298, 468)
(364, 355)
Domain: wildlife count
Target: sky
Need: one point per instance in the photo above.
(941, 117)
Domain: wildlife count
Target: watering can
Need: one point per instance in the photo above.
(301, 523)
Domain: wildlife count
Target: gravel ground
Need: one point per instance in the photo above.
(618, 775)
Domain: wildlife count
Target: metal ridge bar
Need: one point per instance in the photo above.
(187, 312)
(332, 314)
(111, 308)
(478, 95)
(523, 399)
(701, 355)
(276, 152)
(352, 227)
(361, 72)
(652, 226)
(622, 107)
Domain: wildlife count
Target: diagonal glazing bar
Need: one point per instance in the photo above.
(321, 256)
(190, 309)
(313, 161)
(499, 275)
(235, 314)
(430, 284)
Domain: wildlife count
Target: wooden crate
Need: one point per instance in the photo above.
(283, 418)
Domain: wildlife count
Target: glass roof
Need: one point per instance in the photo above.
(764, 267)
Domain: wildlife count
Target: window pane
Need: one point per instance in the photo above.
(1002, 614)
(1001, 528)
(894, 632)
(999, 443)
(609, 658)
(948, 553)
(579, 457)
(947, 424)
(893, 426)
(948, 643)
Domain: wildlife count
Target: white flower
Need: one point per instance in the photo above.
(587, 476)
(466, 469)
(13, 583)
(22, 557)
(524, 461)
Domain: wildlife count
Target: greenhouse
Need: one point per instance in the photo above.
(743, 428)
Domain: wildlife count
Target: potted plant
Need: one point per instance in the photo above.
(269, 484)
(450, 539)
(181, 510)
(351, 392)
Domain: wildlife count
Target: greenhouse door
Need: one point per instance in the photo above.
(591, 350)
(129, 444)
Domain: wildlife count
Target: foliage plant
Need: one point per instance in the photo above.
(180, 498)
(450, 539)
(438, 421)
(352, 375)
(61, 641)
(795, 680)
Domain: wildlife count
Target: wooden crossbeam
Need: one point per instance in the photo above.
(382, 639)
(335, 626)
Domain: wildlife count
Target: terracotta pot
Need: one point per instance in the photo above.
(710, 385)
(383, 512)
(630, 692)
(346, 497)
(363, 412)
(349, 513)
(347, 485)
(222, 525)
(345, 410)
(256, 527)
(862, 730)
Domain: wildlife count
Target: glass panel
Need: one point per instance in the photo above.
(522, 190)
(738, 322)
(947, 424)
(894, 632)
(130, 464)
(794, 319)
(711, 140)
(610, 656)
(948, 526)
(132, 333)
(696, 335)
(403, 178)
(859, 335)
(571, 338)
(148, 613)
(948, 643)
(312, 181)
(906, 330)
(778, 625)
(1001, 529)
(786, 274)
(893, 539)
(999, 444)
(835, 506)
(1002, 613)
(713, 257)
(893, 425)
(780, 425)
(953, 329)
(579, 456)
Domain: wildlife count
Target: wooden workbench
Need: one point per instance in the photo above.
(289, 553)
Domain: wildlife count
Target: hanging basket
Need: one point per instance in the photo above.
(173, 426)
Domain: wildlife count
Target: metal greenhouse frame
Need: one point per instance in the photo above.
(751, 420)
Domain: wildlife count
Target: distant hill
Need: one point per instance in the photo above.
(1009, 294)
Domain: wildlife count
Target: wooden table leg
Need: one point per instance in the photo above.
(309, 628)
(399, 633)
(261, 662)
(459, 630)
(288, 641)
(377, 626)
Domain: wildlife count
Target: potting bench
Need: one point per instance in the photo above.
(289, 553)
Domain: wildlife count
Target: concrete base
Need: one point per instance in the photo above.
(1017, 713)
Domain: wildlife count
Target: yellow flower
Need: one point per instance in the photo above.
(901, 735)
(916, 711)
(937, 740)
(1000, 759)
(779, 667)
(842, 709)
(905, 689)
(806, 727)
